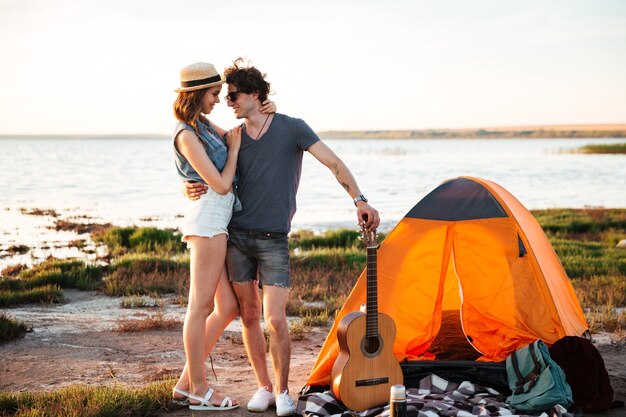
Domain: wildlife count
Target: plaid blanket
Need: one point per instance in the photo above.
(434, 397)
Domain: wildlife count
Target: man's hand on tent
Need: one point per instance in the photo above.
(367, 216)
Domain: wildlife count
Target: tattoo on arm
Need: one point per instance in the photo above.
(335, 169)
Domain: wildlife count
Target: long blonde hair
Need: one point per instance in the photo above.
(188, 106)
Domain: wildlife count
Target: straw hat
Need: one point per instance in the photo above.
(198, 76)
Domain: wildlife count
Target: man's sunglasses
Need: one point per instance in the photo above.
(232, 96)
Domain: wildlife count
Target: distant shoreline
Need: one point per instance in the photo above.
(606, 131)
(616, 131)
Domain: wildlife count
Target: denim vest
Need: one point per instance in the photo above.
(216, 150)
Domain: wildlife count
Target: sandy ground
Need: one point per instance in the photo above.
(76, 343)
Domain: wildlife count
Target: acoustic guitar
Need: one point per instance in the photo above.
(366, 367)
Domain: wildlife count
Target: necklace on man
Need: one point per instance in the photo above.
(259, 134)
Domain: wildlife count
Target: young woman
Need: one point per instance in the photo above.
(202, 155)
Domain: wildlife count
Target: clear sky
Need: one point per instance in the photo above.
(109, 66)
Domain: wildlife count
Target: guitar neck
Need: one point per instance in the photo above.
(372, 294)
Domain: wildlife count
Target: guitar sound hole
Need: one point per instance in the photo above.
(371, 345)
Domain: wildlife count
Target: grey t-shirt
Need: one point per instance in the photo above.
(269, 175)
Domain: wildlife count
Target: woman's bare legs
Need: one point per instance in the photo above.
(226, 310)
(206, 269)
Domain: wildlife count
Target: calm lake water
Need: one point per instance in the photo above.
(124, 180)
(132, 181)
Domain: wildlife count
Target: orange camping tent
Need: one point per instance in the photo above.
(471, 251)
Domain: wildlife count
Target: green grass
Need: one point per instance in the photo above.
(581, 224)
(66, 273)
(86, 401)
(121, 240)
(138, 301)
(585, 240)
(47, 294)
(335, 259)
(11, 329)
(338, 238)
(143, 274)
(43, 282)
(618, 148)
(588, 259)
(316, 319)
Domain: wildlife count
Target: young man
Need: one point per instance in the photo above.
(269, 167)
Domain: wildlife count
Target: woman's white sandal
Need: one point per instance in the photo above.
(180, 401)
(227, 403)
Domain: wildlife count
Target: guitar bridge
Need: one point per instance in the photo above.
(371, 381)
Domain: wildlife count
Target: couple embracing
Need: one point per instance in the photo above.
(243, 185)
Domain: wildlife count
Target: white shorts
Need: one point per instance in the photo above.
(209, 215)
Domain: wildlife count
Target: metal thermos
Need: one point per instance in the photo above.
(397, 401)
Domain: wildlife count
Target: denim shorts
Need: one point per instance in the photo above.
(258, 256)
(209, 215)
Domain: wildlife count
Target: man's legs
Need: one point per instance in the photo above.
(273, 259)
(254, 342)
(251, 256)
(274, 307)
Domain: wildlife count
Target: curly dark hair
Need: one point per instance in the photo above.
(247, 79)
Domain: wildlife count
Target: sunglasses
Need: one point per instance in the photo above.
(232, 96)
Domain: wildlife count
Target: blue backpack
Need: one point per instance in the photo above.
(537, 382)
